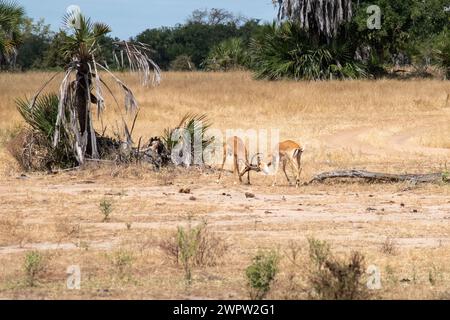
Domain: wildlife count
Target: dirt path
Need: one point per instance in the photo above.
(396, 142)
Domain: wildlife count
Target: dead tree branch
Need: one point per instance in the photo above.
(381, 177)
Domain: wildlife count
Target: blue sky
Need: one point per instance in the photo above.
(129, 17)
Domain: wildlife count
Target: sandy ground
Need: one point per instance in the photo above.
(148, 207)
(387, 126)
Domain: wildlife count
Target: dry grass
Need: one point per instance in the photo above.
(383, 125)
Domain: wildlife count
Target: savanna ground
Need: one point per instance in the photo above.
(387, 125)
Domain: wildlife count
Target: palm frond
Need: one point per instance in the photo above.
(10, 12)
(41, 116)
(137, 55)
(196, 127)
(286, 51)
(100, 29)
(227, 55)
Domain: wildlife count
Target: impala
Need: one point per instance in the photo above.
(285, 152)
(235, 147)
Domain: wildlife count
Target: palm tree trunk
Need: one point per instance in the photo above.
(82, 101)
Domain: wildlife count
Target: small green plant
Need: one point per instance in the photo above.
(261, 273)
(446, 176)
(121, 262)
(34, 266)
(106, 208)
(194, 247)
(335, 279)
(187, 243)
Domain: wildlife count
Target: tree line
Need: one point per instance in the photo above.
(311, 39)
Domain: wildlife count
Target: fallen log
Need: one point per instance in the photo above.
(382, 177)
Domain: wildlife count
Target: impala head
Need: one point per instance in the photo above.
(264, 167)
(261, 165)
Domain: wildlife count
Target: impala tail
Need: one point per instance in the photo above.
(298, 152)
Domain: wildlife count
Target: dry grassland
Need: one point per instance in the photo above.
(387, 125)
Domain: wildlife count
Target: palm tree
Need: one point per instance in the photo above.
(11, 15)
(82, 85)
(319, 17)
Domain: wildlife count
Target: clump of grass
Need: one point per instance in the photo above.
(35, 265)
(389, 247)
(335, 279)
(106, 208)
(261, 273)
(194, 247)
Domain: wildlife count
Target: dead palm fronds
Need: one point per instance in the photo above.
(82, 85)
(323, 17)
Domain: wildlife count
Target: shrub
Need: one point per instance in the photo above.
(182, 63)
(106, 208)
(34, 266)
(227, 55)
(194, 247)
(261, 274)
(286, 51)
(334, 279)
(389, 247)
(442, 53)
(33, 147)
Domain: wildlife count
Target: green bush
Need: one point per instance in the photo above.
(187, 244)
(261, 273)
(442, 53)
(33, 149)
(34, 266)
(228, 55)
(287, 51)
(106, 208)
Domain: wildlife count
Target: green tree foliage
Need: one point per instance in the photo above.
(36, 40)
(408, 27)
(11, 18)
(204, 30)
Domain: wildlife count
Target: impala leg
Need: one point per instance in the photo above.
(299, 169)
(246, 170)
(275, 163)
(236, 166)
(223, 164)
(284, 163)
